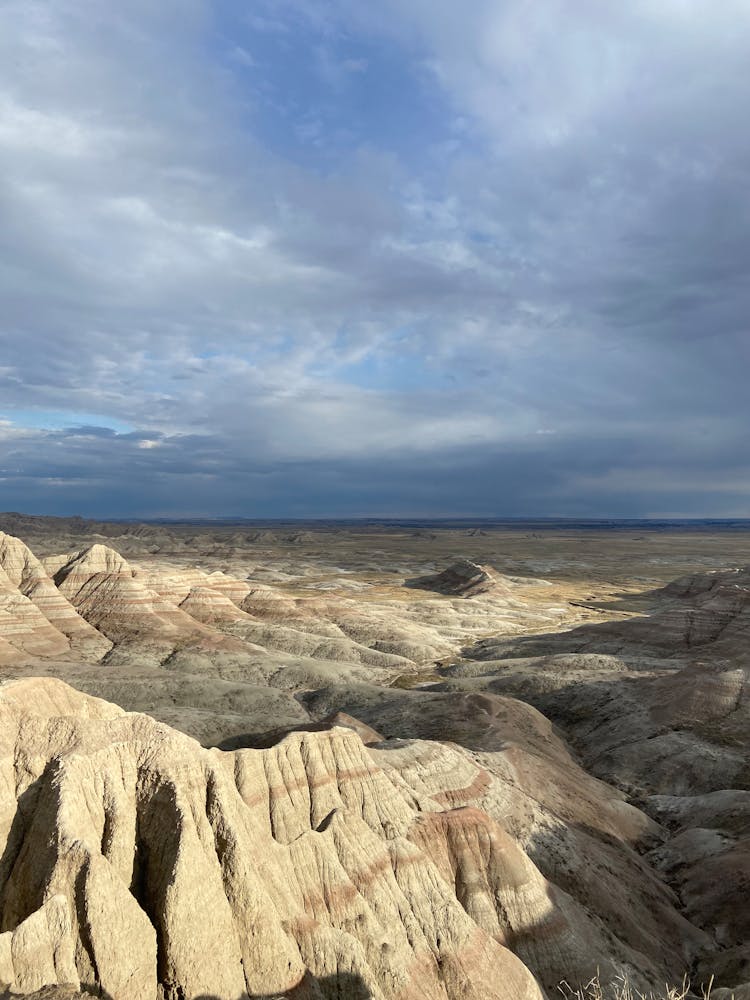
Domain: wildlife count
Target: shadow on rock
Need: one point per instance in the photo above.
(341, 986)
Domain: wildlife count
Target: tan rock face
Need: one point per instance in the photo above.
(40, 950)
(156, 864)
(23, 628)
(26, 573)
(50, 993)
(107, 592)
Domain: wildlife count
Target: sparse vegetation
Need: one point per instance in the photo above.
(622, 989)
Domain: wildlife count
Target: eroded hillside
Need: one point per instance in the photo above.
(381, 806)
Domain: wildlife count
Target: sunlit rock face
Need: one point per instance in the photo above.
(27, 574)
(136, 860)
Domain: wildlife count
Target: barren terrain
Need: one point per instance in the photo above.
(383, 760)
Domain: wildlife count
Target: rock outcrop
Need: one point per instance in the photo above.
(139, 861)
(463, 578)
(24, 630)
(27, 574)
(105, 590)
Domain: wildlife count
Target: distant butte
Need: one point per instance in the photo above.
(463, 578)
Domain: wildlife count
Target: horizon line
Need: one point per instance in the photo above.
(381, 518)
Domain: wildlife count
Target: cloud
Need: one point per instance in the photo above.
(490, 260)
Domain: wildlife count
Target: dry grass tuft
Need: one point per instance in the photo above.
(622, 989)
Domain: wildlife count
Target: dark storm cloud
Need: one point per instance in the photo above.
(506, 275)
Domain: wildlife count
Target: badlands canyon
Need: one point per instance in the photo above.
(380, 761)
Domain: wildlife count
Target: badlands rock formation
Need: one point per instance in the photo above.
(374, 813)
(659, 706)
(35, 617)
(216, 654)
(464, 579)
(657, 703)
(135, 860)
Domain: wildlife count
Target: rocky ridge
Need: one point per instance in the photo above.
(135, 860)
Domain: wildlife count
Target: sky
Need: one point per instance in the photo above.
(319, 258)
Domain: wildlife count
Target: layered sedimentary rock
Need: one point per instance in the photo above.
(174, 585)
(463, 849)
(463, 578)
(658, 705)
(24, 630)
(162, 614)
(258, 872)
(212, 607)
(26, 573)
(579, 831)
(313, 865)
(707, 857)
(105, 590)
